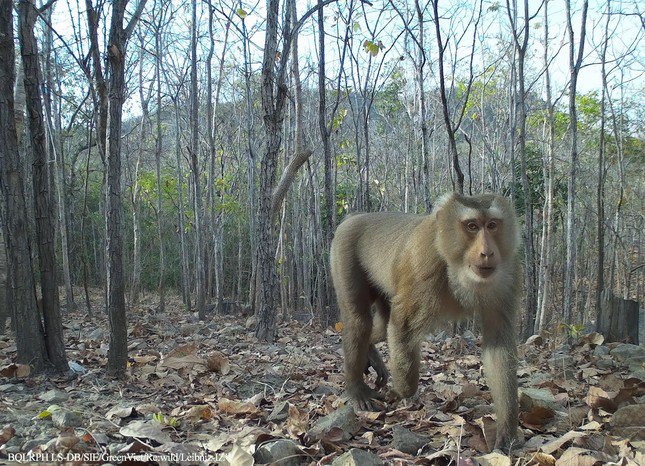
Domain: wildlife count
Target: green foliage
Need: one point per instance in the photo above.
(338, 119)
(166, 421)
(344, 191)
(373, 47)
(389, 99)
(572, 330)
(535, 176)
(589, 109)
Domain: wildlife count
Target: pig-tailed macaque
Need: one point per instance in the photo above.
(399, 275)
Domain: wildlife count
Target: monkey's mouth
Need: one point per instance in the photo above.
(484, 271)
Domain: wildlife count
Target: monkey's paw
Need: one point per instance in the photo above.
(362, 397)
(393, 397)
(506, 443)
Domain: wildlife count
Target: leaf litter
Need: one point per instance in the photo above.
(210, 392)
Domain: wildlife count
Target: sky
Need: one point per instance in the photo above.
(625, 31)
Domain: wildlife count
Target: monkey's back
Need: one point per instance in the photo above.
(367, 244)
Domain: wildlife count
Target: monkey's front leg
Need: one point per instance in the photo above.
(405, 355)
(356, 346)
(500, 368)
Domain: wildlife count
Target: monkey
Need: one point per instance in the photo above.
(398, 275)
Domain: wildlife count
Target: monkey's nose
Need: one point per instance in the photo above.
(487, 254)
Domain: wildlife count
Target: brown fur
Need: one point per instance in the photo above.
(421, 271)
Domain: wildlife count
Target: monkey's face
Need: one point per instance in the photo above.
(482, 254)
(477, 236)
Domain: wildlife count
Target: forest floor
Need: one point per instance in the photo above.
(211, 393)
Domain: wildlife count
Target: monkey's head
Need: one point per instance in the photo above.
(477, 236)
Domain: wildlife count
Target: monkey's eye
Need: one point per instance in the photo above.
(492, 225)
(472, 226)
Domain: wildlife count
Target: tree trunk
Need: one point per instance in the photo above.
(118, 38)
(574, 68)
(182, 221)
(136, 188)
(200, 272)
(45, 227)
(521, 46)
(53, 122)
(546, 247)
(274, 95)
(161, 288)
(30, 340)
(450, 130)
(425, 154)
(600, 191)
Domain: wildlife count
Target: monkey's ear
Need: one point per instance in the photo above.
(442, 201)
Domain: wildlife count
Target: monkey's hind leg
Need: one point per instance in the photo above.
(379, 334)
(405, 353)
(376, 362)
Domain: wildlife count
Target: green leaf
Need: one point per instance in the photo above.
(371, 47)
(241, 13)
(48, 412)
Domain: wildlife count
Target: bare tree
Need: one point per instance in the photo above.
(274, 95)
(30, 339)
(600, 190)
(575, 62)
(548, 169)
(200, 271)
(521, 41)
(117, 42)
(43, 208)
(452, 124)
(158, 30)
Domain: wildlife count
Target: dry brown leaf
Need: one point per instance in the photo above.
(537, 417)
(183, 350)
(22, 371)
(236, 407)
(218, 362)
(6, 434)
(494, 459)
(600, 399)
(543, 459)
(579, 457)
(8, 371)
(184, 362)
(201, 412)
(148, 358)
(297, 421)
(556, 444)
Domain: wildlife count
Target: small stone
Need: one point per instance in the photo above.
(629, 422)
(605, 363)
(537, 397)
(344, 419)
(251, 322)
(357, 457)
(535, 340)
(9, 387)
(54, 396)
(96, 335)
(600, 350)
(31, 444)
(280, 412)
(407, 441)
(63, 418)
(628, 353)
(324, 390)
(469, 337)
(283, 452)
